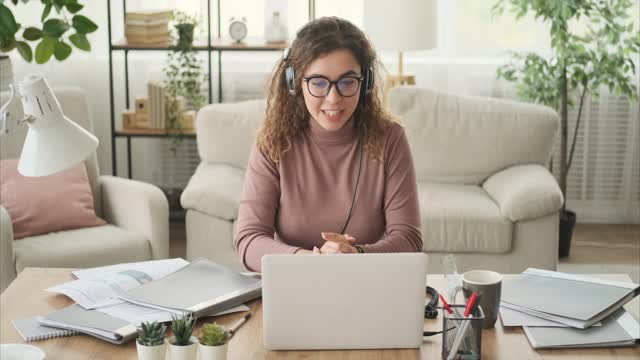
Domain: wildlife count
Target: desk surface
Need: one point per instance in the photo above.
(25, 297)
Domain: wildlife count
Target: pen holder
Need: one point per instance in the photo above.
(462, 337)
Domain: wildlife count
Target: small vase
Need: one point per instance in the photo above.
(6, 72)
(276, 31)
(157, 352)
(206, 352)
(187, 352)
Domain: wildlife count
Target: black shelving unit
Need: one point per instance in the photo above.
(216, 44)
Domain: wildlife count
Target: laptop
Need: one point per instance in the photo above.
(343, 301)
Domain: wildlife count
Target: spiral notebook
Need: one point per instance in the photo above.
(31, 330)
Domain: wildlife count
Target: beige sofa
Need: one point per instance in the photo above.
(485, 192)
(137, 215)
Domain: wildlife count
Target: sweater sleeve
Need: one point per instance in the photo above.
(401, 207)
(255, 226)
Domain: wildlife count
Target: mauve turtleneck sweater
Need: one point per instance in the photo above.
(285, 206)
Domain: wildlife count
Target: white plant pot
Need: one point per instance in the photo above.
(206, 352)
(187, 352)
(157, 352)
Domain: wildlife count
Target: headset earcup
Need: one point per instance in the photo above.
(369, 81)
(290, 77)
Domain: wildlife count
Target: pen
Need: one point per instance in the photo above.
(463, 328)
(445, 305)
(238, 323)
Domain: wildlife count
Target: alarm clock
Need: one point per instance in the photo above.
(238, 29)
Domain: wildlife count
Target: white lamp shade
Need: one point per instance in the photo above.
(55, 148)
(401, 24)
(53, 143)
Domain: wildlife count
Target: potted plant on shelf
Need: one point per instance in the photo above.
(183, 346)
(579, 65)
(213, 342)
(50, 35)
(151, 342)
(184, 76)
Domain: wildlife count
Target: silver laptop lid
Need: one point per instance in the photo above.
(343, 301)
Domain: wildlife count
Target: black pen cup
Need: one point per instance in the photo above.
(469, 343)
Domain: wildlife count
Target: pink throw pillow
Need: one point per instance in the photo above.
(39, 205)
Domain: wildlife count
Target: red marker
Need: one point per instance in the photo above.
(445, 305)
(470, 304)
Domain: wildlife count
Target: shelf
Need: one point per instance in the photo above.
(123, 45)
(249, 44)
(151, 133)
(218, 44)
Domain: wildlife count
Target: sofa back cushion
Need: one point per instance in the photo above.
(39, 205)
(463, 139)
(226, 132)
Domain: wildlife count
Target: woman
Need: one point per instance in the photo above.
(331, 172)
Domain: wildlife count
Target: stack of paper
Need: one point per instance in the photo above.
(203, 287)
(566, 310)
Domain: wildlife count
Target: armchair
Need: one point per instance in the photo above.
(137, 215)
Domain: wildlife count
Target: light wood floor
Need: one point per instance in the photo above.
(595, 249)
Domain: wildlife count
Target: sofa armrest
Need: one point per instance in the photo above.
(7, 256)
(524, 192)
(137, 206)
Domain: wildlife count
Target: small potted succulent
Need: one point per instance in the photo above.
(183, 346)
(213, 342)
(151, 342)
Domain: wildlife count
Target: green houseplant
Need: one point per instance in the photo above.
(184, 76)
(580, 64)
(213, 342)
(151, 343)
(183, 346)
(51, 35)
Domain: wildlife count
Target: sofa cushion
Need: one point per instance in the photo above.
(462, 218)
(80, 248)
(30, 200)
(214, 189)
(226, 131)
(465, 139)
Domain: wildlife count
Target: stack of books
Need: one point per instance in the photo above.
(560, 310)
(157, 104)
(147, 27)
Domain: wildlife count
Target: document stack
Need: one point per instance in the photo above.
(559, 310)
(147, 27)
(112, 301)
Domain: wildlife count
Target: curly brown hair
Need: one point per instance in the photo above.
(287, 116)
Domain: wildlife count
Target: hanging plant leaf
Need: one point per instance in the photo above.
(74, 7)
(32, 33)
(80, 41)
(62, 50)
(8, 45)
(54, 28)
(45, 49)
(8, 26)
(46, 12)
(25, 50)
(83, 25)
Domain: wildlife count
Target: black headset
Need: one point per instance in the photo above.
(290, 77)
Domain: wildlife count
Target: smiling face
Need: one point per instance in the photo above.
(333, 110)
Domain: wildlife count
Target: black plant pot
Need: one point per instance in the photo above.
(567, 222)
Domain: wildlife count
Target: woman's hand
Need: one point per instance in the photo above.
(337, 244)
(315, 251)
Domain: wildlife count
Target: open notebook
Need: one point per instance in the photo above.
(620, 329)
(577, 301)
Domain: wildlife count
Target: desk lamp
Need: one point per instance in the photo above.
(53, 143)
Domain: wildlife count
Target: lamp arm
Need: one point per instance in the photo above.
(8, 120)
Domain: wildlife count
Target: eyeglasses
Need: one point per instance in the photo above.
(320, 86)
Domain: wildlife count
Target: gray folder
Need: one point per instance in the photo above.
(91, 322)
(620, 329)
(201, 287)
(577, 301)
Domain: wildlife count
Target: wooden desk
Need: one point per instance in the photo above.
(25, 297)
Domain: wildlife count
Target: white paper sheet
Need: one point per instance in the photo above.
(510, 317)
(101, 286)
(137, 314)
